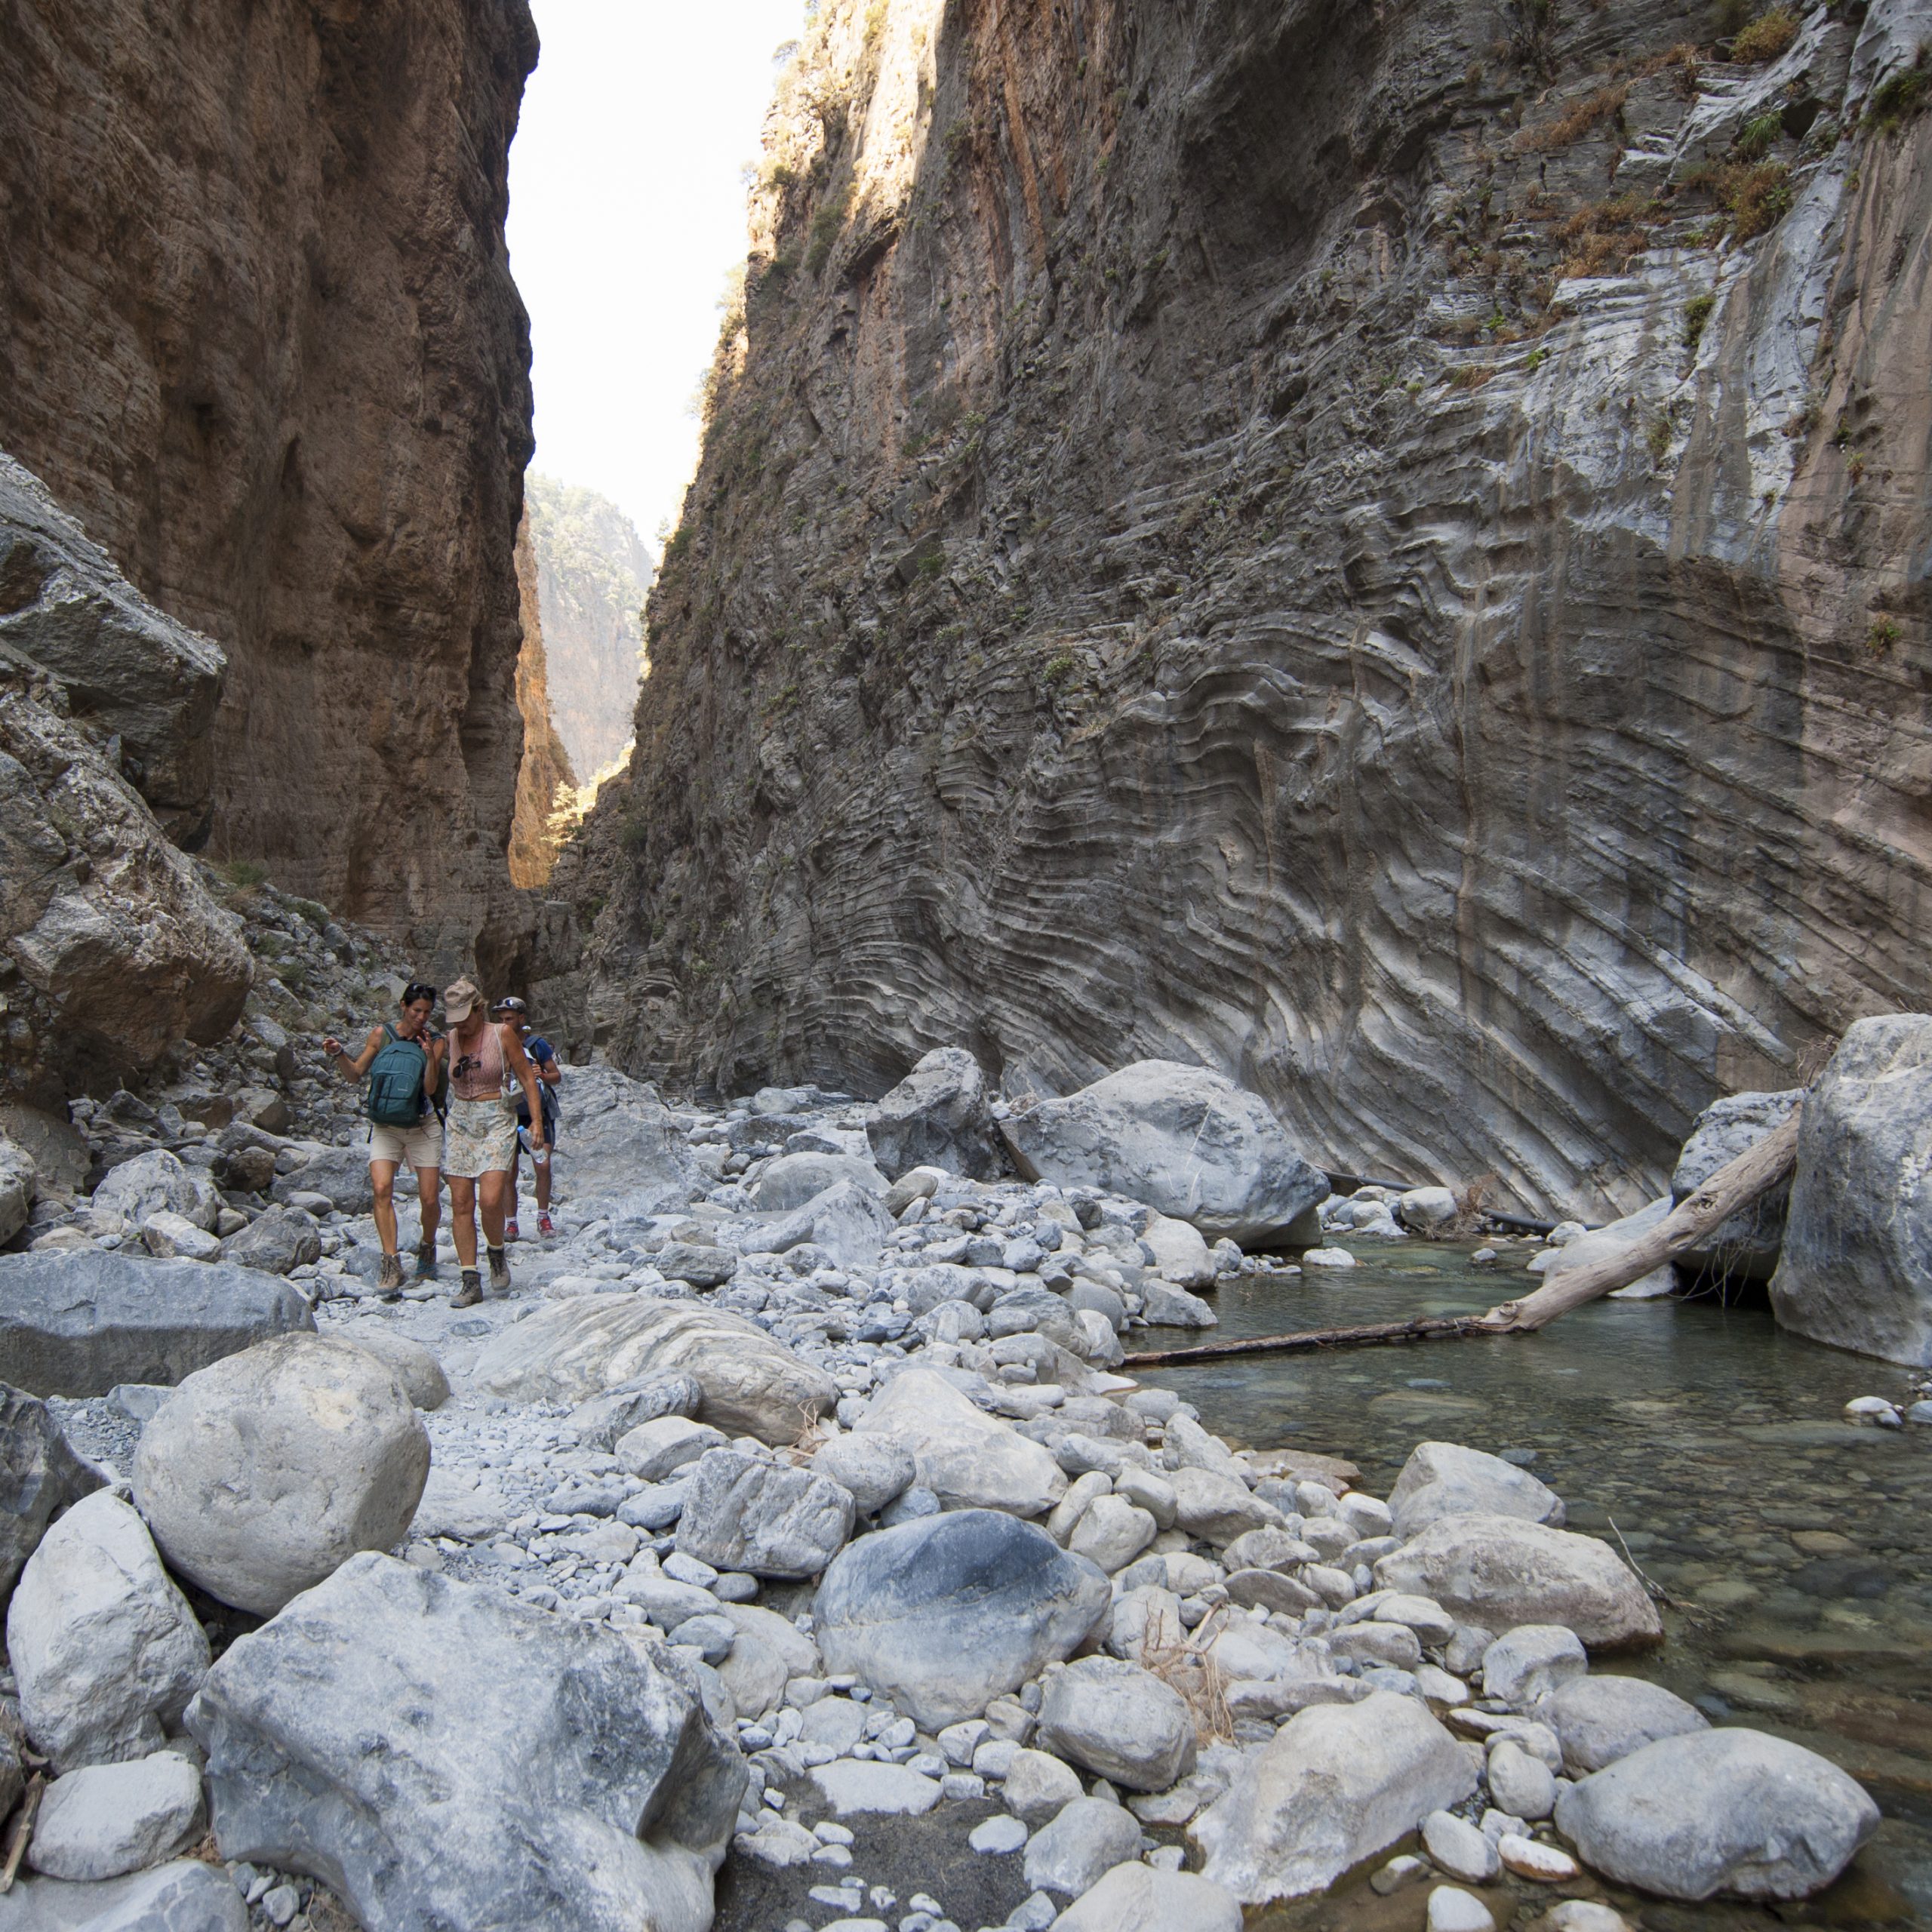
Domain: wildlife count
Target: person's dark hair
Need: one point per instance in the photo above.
(415, 990)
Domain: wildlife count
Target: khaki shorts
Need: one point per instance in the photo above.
(481, 1138)
(418, 1146)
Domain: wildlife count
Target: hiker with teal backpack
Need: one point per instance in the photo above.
(403, 1060)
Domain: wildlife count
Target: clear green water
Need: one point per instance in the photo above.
(1796, 1549)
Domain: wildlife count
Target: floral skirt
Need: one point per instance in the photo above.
(481, 1138)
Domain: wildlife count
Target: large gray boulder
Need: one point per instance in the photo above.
(1856, 1269)
(40, 1476)
(938, 1116)
(1745, 1247)
(792, 1180)
(847, 1220)
(183, 1895)
(75, 1324)
(105, 1648)
(946, 1613)
(968, 1458)
(1184, 1139)
(1446, 1479)
(263, 1473)
(1338, 1784)
(156, 1182)
(624, 1146)
(1496, 1572)
(1085, 1840)
(874, 1471)
(276, 1242)
(571, 1351)
(449, 1757)
(1599, 1720)
(1118, 1721)
(744, 1513)
(1729, 1811)
(340, 1175)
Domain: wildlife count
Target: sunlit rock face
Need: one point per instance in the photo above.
(261, 337)
(1377, 548)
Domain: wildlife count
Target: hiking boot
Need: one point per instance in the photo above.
(546, 1226)
(471, 1293)
(500, 1271)
(425, 1262)
(510, 1232)
(388, 1278)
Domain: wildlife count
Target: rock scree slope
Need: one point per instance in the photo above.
(1362, 547)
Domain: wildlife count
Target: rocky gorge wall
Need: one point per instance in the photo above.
(1379, 548)
(261, 337)
(545, 780)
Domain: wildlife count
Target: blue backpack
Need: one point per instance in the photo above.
(395, 1082)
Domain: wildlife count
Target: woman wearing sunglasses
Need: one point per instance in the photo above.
(480, 1141)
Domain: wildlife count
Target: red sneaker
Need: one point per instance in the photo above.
(545, 1225)
(510, 1232)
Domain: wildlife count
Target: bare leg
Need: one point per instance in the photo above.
(516, 1159)
(543, 1183)
(429, 1193)
(463, 1218)
(494, 1187)
(382, 1178)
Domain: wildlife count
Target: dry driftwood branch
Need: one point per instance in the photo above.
(1735, 1185)
(22, 1829)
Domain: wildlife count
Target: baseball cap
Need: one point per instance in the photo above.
(460, 1000)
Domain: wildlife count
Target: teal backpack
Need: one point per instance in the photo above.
(395, 1082)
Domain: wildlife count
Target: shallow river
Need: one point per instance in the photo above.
(1795, 1548)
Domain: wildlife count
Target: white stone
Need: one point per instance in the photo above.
(169, 1234)
(104, 1821)
(1520, 1783)
(1134, 1897)
(850, 1786)
(1451, 1909)
(1459, 1848)
(1529, 1858)
(1328, 1257)
(1179, 1253)
(105, 1651)
(654, 1450)
(1338, 1784)
(1598, 1719)
(1445, 1478)
(1038, 1786)
(1113, 1533)
(968, 1458)
(743, 1513)
(1530, 1661)
(997, 1836)
(1118, 1721)
(875, 1470)
(1085, 1840)
(265, 1471)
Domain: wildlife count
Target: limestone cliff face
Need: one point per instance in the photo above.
(260, 337)
(1378, 547)
(545, 778)
(592, 570)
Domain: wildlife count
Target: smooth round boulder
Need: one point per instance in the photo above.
(265, 1472)
(1733, 1811)
(105, 1820)
(1598, 1719)
(945, 1612)
(1133, 1897)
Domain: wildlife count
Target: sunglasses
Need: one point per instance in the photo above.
(469, 1063)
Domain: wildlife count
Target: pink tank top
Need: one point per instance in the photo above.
(484, 1079)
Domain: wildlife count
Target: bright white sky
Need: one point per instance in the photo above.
(627, 210)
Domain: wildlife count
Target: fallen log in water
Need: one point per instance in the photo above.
(1424, 1328)
(1734, 1186)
